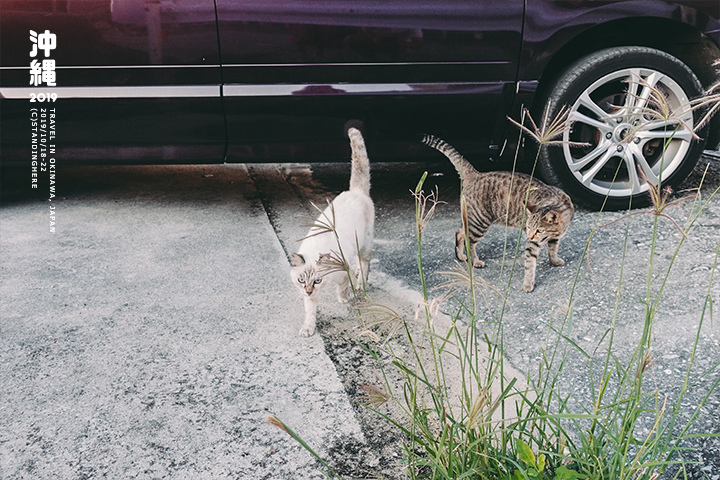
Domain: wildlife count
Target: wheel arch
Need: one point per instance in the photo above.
(683, 41)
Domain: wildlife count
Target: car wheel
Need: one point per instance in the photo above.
(628, 108)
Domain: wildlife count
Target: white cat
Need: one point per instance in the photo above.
(353, 215)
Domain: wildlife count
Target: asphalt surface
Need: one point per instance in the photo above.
(154, 331)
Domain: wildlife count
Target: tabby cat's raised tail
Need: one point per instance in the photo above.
(460, 163)
(360, 173)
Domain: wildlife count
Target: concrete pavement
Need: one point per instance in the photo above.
(154, 331)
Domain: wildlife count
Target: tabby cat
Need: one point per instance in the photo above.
(315, 264)
(500, 197)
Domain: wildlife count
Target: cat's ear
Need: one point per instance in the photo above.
(531, 206)
(325, 260)
(552, 216)
(297, 260)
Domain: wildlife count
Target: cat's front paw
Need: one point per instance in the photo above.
(528, 287)
(557, 262)
(478, 264)
(460, 254)
(307, 330)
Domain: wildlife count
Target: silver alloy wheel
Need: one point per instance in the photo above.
(635, 123)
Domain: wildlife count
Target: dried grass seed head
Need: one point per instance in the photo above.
(331, 262)
(550, 131)
(422, 200)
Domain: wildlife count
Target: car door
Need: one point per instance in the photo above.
(296, 70)
(133, 81)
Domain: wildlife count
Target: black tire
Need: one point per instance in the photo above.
(620, 129)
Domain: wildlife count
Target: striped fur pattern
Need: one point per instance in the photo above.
(500, 197)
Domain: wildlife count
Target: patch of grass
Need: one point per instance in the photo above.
(462, 412)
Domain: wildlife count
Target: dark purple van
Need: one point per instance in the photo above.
(194, 81)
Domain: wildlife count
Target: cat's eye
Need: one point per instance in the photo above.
(301, 280)
(319, 280)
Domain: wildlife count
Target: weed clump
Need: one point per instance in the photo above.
(465, 414)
